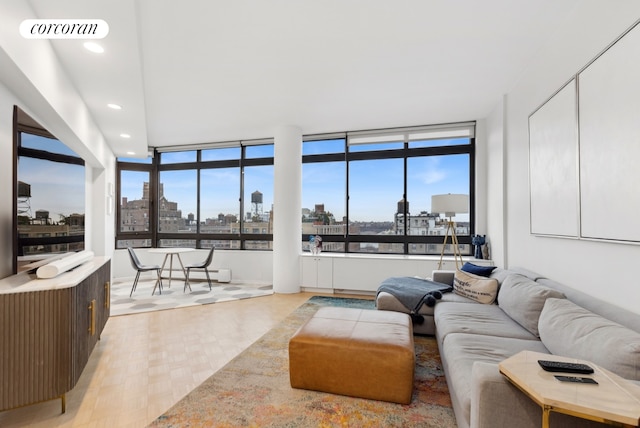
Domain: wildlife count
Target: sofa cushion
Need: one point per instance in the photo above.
(474, 318)
(387, 302)
(478, 288)
(523, 299)
(424, 325)
(463, 350)
(478, 270)
(570, 330)
(501, 274)
(594, 304)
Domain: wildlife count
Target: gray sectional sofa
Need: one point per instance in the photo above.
(531, 313)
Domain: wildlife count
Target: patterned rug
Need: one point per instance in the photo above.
(253, 390)
(175, 297)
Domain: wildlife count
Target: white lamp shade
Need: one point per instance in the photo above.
(450, 204)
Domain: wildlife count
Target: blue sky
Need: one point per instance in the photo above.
(55, 187)
(376, 186)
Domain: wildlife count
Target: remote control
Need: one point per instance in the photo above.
(576, 379)
(559, 366)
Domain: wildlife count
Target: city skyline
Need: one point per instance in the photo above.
(374, 196)
(376, 186)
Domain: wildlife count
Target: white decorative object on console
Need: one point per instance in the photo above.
(55, 268)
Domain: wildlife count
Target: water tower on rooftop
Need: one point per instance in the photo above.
(24, 199)
(256, 203)
(401, 216)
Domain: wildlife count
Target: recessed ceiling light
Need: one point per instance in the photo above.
(94, 47)
(114, 106)
(125, 135)
(131, 153)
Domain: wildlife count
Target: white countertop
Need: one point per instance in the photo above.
(26, 282)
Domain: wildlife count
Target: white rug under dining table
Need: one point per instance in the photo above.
(174, 297)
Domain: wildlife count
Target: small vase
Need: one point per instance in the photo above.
(478, 254)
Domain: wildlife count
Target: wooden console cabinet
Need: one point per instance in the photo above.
(48, 328)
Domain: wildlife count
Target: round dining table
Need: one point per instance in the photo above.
(169, 253)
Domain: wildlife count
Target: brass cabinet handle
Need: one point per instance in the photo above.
(92, 321)
(107, 294)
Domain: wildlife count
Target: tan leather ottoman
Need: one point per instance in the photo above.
(355, 352)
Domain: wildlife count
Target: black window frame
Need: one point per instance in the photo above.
(156, 167)
(150, 234)
(404, 153)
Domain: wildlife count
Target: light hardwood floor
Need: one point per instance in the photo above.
(145, 363)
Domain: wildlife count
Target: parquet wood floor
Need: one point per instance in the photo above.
(145, 363)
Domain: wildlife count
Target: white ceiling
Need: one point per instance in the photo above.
(196, 71)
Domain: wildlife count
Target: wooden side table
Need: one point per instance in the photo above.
(614, 401)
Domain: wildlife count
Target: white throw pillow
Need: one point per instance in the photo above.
(478, 288)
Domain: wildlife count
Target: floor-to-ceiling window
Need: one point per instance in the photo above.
(324, 191)
(370, 191)
(135, 185)
(217, 195)
(362, 192)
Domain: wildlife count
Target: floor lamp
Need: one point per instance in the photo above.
(450, 205)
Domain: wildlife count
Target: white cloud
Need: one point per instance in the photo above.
(432, 171)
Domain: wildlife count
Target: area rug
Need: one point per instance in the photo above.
(253, 389)
(175, 297)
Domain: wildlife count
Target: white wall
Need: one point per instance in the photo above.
(495, 170)
(606, 270)
(32, 78)
(481, 178)
(245, 266)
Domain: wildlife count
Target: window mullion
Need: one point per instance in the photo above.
(406, 204)
(241, 233)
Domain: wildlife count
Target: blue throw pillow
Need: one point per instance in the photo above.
(478, 270)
